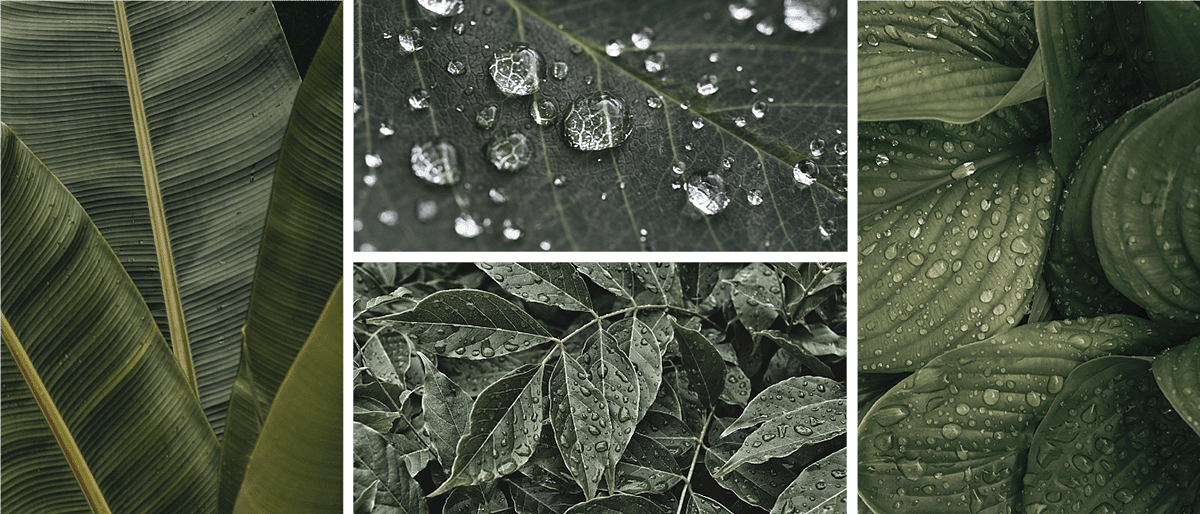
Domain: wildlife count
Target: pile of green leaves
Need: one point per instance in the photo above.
(1029, 241)
(647, 388)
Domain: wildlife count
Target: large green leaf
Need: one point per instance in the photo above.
(129, 430)
(297, 464)
(1178, 374)
(164, 120)
(300, 261)
(821, 487)
(627, 198)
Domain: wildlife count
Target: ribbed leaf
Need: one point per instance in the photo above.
(530, 498)
(163, 115)
(468, 324)
(506, 422)
(1178, 375)
(549, 283)
(641, 344)
(646, 467)
(820, 488)
(700, 504)
(944, 87)
(300, 261)
(756, 484)
(660, 278)
(297, 464)
(127, 422)
(617, 277)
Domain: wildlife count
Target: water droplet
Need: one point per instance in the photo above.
(459, 28)
(806, 15)
(991, 396)
(742, 10)
(509, 151)
(643, 38)
(766, 26)
(707, 84)
(436, 162)
(597, 121)
(560, 180)
(759, 109)
(419, 99)
(456, 68)
(714, 57)
(951, 431)
(654, 102)
(466, 226)
(1020, 245)
(517, 69)
(389, 217)
(655, 62)
(963, 170)
(442, 8)
(385, 130)
(427, 210)
(816, 147)
(739, 121)
(678, 168)
(881, 160)
(707, 193)
(511, 233)
(754, 196)
(543, 112)
(805, 172)
(486, 117)
(560, 70)
(614, 47)
(410, 41)
(697, 124)
(373, 160)
(498, 195)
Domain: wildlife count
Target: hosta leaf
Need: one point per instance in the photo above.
(617, 277)
(617, 504)
(963, 423)
(1175, 54)
(820, 488)
(644, 352)
(447, 410)
(1146, 217)
(786, 396)
(960, 269)
(484, 498)
(377, 465)
(506, 422)
(756, 484)
(1103, 443)
(702, 365)
(646, 467)
(550, 283)
(1000, 32)
(786, 432)
(468, 324)
(1178, 375)
(661, 279)
(757, 296)
(530, 498)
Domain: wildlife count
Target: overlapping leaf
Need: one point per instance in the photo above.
(1178, 374)
(550, 283)
(469, 324)
(378, 466)
(447, 409)
(702, 365)
(821, 487)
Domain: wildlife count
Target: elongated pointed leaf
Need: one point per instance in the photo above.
(377, 465)
(129, 429)
(783, 434)
(785, 396)
(821, 487)
(1178, 374)
(617, 504)
(642, 346)
(756, 484)
(668, 431)
(163, 115)
(646, 467)
(447, 410)
(549, 283)
(758, 296)
(296, 465)
(702, 365)
(700, 504)
(530, 498)
(299, 262)
(506, 422)
(660, 278)
(967, 417)
(617, 277)
(468, 324)
(1108, 426)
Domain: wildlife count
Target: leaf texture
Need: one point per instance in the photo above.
(469, 324)
(820, 487)
(785, 396)
(1178, 374)
(549, 283)
(447, 409)
(377, 465)
(702, 365)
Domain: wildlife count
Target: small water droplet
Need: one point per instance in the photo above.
(543, 112)
(509, 151)
(739, 121)
(766, 26)
(655, 62)
(436, 162)
(614, 47)
(742, 10)
(373, 160)
(805, 172)
(963, 170)
(707, 85)
(881, 160)
(427, 210)
(643, 38)
(754, 196)
(806, 16)
(560, 70)
(517, 69)
(759, 109)
(410, 41)
(654, 102)
(486, 117)
(466, 226)
(714, 57)
(419, 99)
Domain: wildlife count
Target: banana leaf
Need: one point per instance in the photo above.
(164, 120)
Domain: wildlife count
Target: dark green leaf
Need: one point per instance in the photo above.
(1109, 427)
(793, 357)
(468, 324)
(756, 484)
(617, 504)
(945, 87)
(376, 414)
(530, 498)
(661, 279)
(1178, 375)
(737, 386)
(626, 198)
(475, 375)
(668, 431)
(786, 432)
(821, 487)
(1000, 32)
(645, 355)
(376, 464)
(377, 360)
(549, 283)
(447, 410)
(786, 396)
(702, 365)
(617, 277)
(757, 296)
(485, 498)
(646, 467)
(578, 405)
(506, 422)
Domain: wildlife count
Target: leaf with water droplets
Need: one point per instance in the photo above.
(820, 488)
(641, 344)
(756, 484)
(788, 431)
(617, 277)
(447, 410)
(668, 431)
(486, 498)
(757, 296)
(786, 396)
(378, 465)
(965, 420)
(700, 504)
(506, 422)
(530, 497)
(646, 467)
(775, 90)
(1105, 443)
(468, 324)
(1178, 374)
(795, 353)
(577, 408)
(661, 279)
(548, 283)
(618, 504)
(954, 265)
(702, 365)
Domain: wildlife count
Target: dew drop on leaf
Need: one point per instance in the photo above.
(881, 160)
(614, 47)
(739, 121)
(498, 195)
(427, 210)
(486, 117)
(714, 57)
(442, 8)
(963, 170)
(517, 69)
(766, 26)
(576, 48)
(805, 172)
(643, 38)
(509, 151)
(707, 85)
(372, 160)
(759, 109)
(560, 70)
(419, 99)
(754, 196)
(707, 193)
(742, 10)
(654, 102)
(436, 162)
(817, 147)
(410, 41)
(806, 16)
(697, 124)
(655, 62)
(456, 68)
(543, 112)
(597, 121)
(466, 226)
(511, 232)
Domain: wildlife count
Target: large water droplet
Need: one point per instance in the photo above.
(442, 8)
(410, 40)
(517, 69)
(707, 193)
(509, 151)
(466, 226)
(742, 10)
(436, 162)
(805, 173)
(643, 38)
(597, 121)
(806, 15)
(707, 85)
